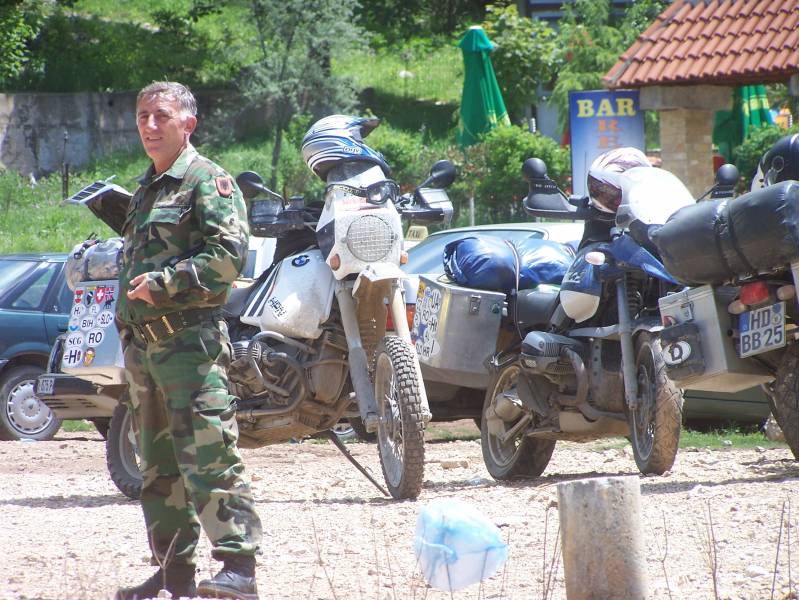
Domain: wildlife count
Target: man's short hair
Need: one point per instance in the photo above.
(173, 91)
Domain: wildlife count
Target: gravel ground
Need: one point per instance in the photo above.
(66, 532)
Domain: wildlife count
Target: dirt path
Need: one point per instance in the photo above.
(66, 532)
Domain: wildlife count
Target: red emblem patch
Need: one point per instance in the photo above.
(224, 185)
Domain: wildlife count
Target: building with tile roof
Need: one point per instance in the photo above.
(689, 59)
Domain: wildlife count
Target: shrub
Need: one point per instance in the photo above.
(492, 170)
(748, 154)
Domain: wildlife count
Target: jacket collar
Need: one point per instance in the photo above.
(176, 171)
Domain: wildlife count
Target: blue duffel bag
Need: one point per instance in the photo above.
(490, 263)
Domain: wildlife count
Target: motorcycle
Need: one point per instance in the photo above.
(309, 337)
(589, 363)
(735, 326)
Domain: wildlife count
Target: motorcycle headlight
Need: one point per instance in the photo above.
(370, 238)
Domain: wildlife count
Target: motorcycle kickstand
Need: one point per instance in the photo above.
(340, 445)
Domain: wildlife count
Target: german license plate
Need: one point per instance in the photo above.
(762, 329)
(44, 385)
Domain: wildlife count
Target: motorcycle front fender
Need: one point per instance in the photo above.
(378, 272)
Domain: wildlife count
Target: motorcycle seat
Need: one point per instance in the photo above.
(235, 303)
(534, 307)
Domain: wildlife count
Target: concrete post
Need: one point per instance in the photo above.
(603, 549)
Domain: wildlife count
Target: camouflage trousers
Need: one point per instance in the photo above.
(187, 433)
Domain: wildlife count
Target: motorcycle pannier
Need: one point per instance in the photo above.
(455, 330)
(713, 242)
(92, 350)
(698, 318)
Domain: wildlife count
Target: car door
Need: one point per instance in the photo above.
(57, 305)
(22, 321)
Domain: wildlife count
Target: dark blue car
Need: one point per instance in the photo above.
(34, 309)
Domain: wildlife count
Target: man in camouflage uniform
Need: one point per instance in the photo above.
(185, 242)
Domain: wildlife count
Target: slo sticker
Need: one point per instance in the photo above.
(105, 318)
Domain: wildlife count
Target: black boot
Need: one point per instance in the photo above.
(179, 582)
(236, 580)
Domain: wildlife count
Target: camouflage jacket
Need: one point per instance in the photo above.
(187, 229)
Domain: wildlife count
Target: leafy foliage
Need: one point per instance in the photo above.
(20, 22)
(748, 154)
(293, 73)
(492, 169)
(590, 44)
(525, 57)
(392, 22)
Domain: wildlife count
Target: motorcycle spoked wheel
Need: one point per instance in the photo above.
(786, 397)
(400, 431)
(122, 454)
(519, 457)
(656, 422)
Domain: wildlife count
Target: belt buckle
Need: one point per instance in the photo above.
(149, 329)
(165, 321)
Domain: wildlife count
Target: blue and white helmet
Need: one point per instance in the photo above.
(339, 138)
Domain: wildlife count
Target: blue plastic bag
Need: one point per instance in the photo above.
(456, 545)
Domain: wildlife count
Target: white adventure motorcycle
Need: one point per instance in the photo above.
(310, 339)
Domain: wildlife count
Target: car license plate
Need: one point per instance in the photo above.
(44, 385)
(762, 329)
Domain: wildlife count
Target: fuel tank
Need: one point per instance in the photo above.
(295, 299)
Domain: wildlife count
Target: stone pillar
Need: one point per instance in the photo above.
(603, 549)
(687, 147)
(686, 129)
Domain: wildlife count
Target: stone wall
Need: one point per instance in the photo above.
(32, 127)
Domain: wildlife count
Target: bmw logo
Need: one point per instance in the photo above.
(301, 260)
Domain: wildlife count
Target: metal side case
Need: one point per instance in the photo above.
(455, 330)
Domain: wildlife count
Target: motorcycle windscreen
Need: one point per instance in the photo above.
(650, 196)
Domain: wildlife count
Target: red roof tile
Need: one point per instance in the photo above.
(726, 42)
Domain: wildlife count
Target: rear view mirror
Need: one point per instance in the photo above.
(252, 185)
(545, 199)
(442, 174)
(726, 179)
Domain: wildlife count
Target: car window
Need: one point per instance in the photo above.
(36, 287)
(428, 255)
(12, 270)
(65, 297)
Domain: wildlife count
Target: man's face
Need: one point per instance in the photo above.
(164, 129)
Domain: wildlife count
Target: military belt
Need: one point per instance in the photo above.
(168, 325)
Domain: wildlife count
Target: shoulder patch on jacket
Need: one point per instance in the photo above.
(224, 185)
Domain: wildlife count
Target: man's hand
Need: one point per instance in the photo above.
(139, 289)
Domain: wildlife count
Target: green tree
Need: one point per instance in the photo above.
(590, 43)
(296, 40)
(395, 21)
(20, 22)
(525, 56)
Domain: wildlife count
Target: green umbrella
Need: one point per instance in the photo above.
(750, 110)
(482, 107)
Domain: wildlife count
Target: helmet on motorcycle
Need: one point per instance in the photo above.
(779, 163)
(337, 139)
(603, 190)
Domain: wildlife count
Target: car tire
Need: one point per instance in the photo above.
(22, 415)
